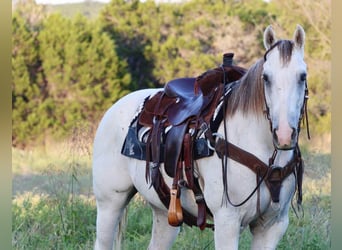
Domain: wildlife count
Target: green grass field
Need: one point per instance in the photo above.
(54, 207)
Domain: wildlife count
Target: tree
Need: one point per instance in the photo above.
(26, 87)
(83, 72)
(67, 70)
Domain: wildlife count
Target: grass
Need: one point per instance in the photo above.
(309, 232)
(51, 222)
(54, 208)
(44, 222)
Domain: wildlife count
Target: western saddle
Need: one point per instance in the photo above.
(184, 109)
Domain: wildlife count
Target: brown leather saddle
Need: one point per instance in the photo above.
(185, 103)
(185, 109)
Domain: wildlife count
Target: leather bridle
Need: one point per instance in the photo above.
(271, 174)
(303, 112)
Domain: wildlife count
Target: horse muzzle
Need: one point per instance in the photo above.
(285, 138)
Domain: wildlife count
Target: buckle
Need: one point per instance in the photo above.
(153, 165)
(275, 174)
(183, 184)
(199, 198)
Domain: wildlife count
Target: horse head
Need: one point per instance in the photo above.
(284, 77)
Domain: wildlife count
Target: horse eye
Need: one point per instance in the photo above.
(265, 78)
(303, 77)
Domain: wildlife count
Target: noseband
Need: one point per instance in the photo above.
(304, 110)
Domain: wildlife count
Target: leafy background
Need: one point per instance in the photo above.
(70, 63)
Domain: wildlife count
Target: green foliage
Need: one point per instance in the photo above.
(53, 223)
(72, 69)
(312, 231)
(253, 13)
(65, 72)
(83, 72)
(26, 91)
(137, 235)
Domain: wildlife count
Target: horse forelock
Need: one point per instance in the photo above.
(249, 95)
(285, 48)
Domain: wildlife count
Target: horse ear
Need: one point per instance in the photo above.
(299, 37)
(269, 37)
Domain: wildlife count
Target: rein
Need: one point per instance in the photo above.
(305, 111)
(272, 175)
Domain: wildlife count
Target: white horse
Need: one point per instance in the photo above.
(274, 85)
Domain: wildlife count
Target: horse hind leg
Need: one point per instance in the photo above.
(163, 235)
(109, 221)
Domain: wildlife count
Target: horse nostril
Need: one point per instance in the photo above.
(284, 139)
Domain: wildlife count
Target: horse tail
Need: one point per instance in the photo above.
(121, 229)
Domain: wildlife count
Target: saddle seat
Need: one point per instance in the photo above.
(181, 88)
(187, 103)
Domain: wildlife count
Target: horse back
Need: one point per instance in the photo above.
(114, 124)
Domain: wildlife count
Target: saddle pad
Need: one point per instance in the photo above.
(136, 149)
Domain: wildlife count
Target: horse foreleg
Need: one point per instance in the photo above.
(227, 229)
(163, 235)
(268, 237)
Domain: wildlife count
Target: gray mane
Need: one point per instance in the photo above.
(248, 96)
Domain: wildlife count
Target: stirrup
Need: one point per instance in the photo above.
(175, 214)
